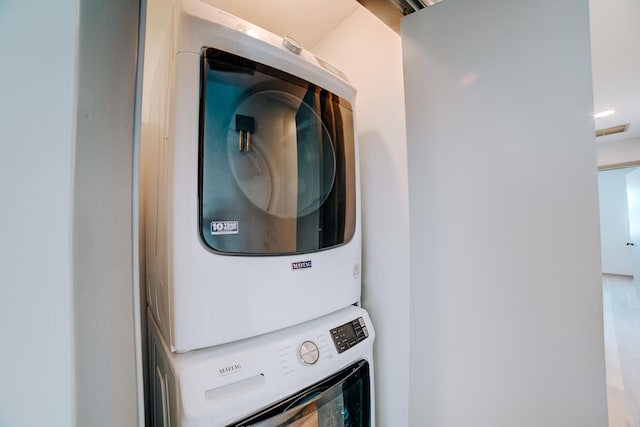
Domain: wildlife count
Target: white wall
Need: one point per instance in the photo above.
(614, 222)
(506, 301)
(68, 92)
(370, 54)
(37, 118)
(618, 153)
(108, 375)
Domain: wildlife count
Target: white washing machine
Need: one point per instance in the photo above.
(319, 373)
(252, 191)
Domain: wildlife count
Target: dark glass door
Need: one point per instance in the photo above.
(342, 400)
(277, 160)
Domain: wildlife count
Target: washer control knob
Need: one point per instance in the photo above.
(309, 353)
(292, 44)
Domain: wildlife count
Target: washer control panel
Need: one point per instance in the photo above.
(349, 334)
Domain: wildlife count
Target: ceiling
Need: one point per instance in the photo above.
(615, 55)
(615, 41)
(307, 21)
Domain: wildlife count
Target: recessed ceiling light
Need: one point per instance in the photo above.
(605, 113)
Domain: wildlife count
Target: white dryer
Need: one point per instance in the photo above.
(319, 373)
(252, 190)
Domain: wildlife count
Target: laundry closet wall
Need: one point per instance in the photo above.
(66, 293)
(370, 54)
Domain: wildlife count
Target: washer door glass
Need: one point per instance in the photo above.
(276, 160)
(342, 400)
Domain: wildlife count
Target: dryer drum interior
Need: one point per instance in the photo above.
(276, 158)
(342, 400)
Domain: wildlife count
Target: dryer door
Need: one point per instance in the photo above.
(342, 400)
(277, 160)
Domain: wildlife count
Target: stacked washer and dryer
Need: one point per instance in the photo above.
(252, 226)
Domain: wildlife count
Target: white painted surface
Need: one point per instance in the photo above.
(106, 371)
(617, 153)
(66, 292)
(614, 222)
(506, 299)
(37, 118)
(370, 54)
(633, 202)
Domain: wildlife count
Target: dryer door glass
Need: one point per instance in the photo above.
(277, 160)
(342, 400)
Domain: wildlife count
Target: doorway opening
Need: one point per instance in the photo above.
(619, 192)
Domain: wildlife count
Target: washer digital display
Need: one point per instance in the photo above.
(348, 335)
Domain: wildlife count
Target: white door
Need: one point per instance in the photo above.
(614, 222)
(633, 198)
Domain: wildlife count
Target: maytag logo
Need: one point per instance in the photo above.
(300, 265)
(229, 369)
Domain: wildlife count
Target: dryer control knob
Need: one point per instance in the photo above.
(292, 44)
(309, 353)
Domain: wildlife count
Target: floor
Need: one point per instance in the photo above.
(621, 300)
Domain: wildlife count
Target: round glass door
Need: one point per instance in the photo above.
(286, 166)
(277, 161)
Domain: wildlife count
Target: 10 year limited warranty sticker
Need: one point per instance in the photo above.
(224, 227)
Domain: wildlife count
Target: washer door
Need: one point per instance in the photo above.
(277, 161)
(342, 400)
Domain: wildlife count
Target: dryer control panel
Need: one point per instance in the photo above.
(349, 334)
